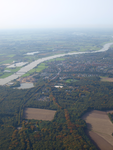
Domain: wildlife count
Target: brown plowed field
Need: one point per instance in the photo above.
(38, 114)
(99, 123)
(100, 142)
(107, 79)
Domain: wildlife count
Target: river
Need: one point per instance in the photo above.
(33, 64)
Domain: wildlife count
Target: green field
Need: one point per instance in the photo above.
(12, 70)
(86, 48)
(5, 74)
(70, 80)
(12, 55)
(7, 61)
(39, 68)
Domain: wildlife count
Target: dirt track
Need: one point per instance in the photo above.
(99, 123)
(38, 114)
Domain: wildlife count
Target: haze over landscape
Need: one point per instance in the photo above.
(56, 14)
(56, 75)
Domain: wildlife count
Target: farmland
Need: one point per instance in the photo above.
(100, 124)
(106, 79)
(39, 114)
(99, 141)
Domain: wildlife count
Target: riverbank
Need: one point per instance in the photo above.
(32, 65)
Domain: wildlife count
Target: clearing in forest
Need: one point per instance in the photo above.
(39, 114)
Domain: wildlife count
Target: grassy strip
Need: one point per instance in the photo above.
(7, 61)
(70, 80)
(12, 55)
(56, 59)
(39, 68)
(12, 70)
(86, 48)
(5, 74)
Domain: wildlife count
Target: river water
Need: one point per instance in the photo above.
(30, 66)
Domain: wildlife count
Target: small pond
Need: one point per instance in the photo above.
(25, 86)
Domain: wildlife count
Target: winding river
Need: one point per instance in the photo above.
(30, 66)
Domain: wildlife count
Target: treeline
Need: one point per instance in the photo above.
(111, 116)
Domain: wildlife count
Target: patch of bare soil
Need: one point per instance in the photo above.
(39, 114)
(26, 79)
(99, 123)
(101, 143)
(107, 79)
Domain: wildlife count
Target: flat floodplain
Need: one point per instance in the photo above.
(39, 114)
(100, 128)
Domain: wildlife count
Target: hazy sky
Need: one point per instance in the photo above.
(56, 13)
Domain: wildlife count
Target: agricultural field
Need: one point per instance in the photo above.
(106, 79)
(99, 123)
(99, 141)
(39, 114)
